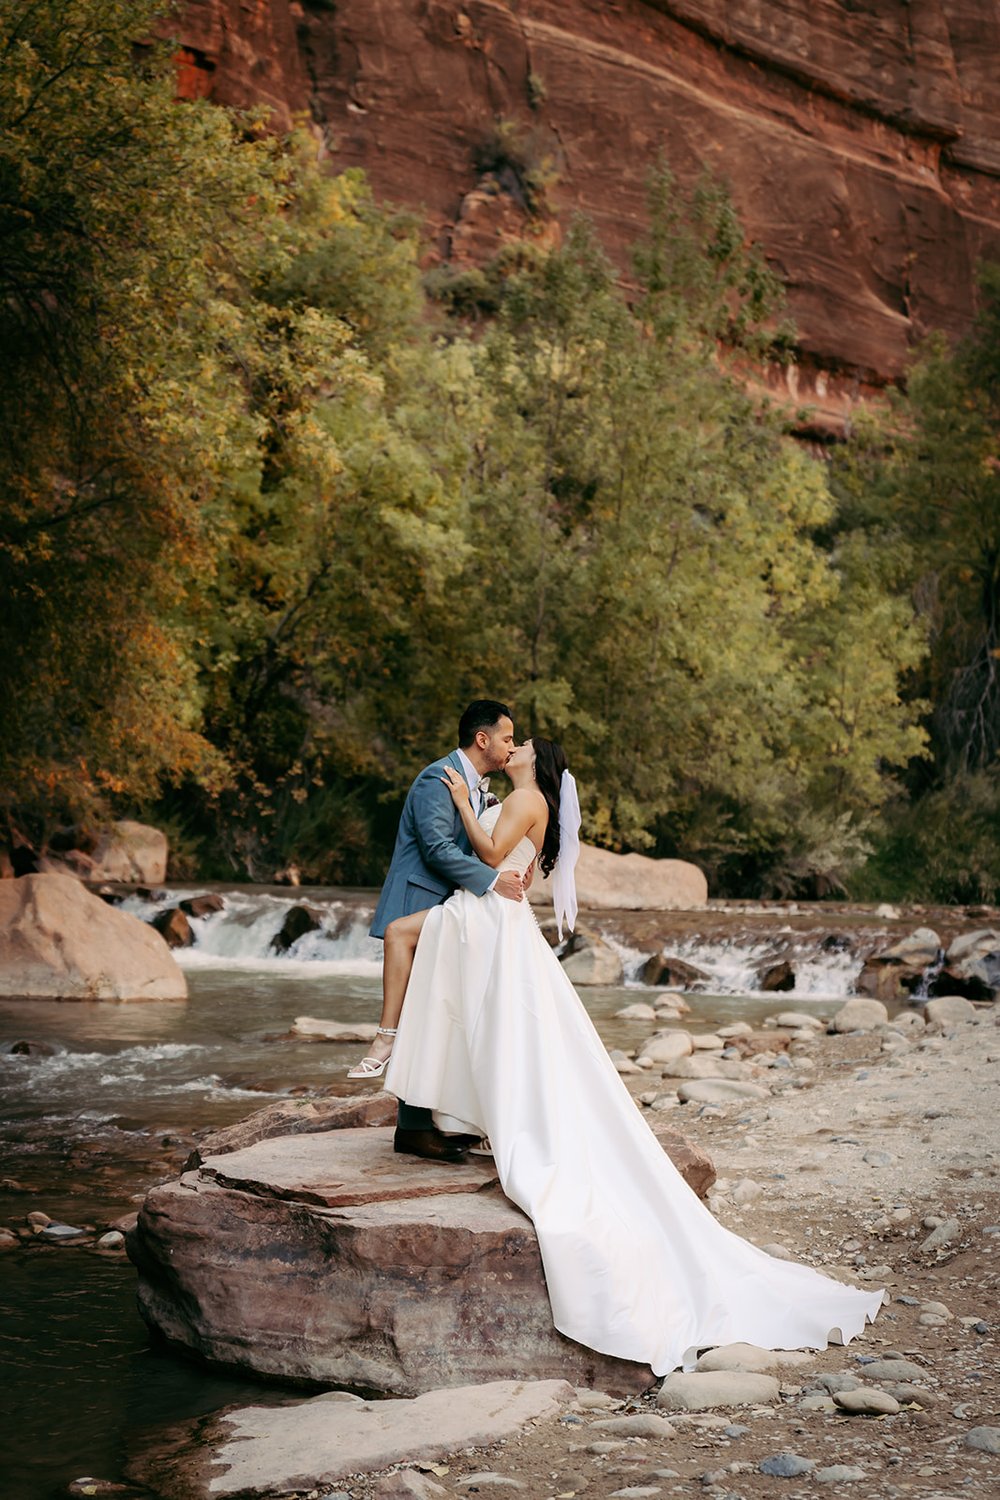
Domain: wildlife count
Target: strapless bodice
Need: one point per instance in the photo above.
(523, 852)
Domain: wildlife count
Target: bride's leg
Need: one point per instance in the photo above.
(401, 938)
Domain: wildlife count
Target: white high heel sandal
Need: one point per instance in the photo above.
(373, 1067)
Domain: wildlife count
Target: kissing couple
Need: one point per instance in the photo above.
(482, 1035)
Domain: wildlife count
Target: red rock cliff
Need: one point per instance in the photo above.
(861, 140)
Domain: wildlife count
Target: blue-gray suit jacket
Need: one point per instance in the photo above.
(432, 854)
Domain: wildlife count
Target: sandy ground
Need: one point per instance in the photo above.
(851, 1166)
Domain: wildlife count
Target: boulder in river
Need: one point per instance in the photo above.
(325, 1257)
(300, 920)
(590, 960)
(778, 977)
(630, 882)
(60, 942)
(174, 928)
(674, 973)
(203, 906)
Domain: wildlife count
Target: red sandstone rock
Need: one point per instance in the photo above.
(296, 1117)
(862, 144)
(328, 1258)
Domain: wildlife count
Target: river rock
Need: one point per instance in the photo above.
(299, 920)
(132, 852)
(839, 1474)
(867, 1400)
(795, 1020)
(661, 969)
(316, 1029)
(328, 1258)
(296, 1117)
(268, 1450)
(786, 1465)
(750, 1357)
(694, 1165)
(778, 977)
(859, 1015)
(60, 942)
(720, 1091)
(710, 1389)
(588, 959)
(203, 906)
(894, 1369)
(645, 1424)
(174, 928)
(630, 882)
(667, 1046)
(762, 1041)
(983, 1439)
(700, 1066)
(638, 1012)
(897, 970)
(948, 1010)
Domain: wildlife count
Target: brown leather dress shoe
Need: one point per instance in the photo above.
(430, 1144)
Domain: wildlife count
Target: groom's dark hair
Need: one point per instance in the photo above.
(485, 713)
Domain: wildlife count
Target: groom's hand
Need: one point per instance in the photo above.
(508, 884)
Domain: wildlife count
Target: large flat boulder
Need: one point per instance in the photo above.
(58, 941)
(328, 1258)
(630, 882)
(307, 1445)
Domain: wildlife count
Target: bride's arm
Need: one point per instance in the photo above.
(519, 813)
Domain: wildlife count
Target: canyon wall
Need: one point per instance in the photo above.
(860, 138)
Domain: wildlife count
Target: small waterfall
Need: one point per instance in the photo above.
(735, 965)
(242, 934)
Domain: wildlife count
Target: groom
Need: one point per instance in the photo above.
(431, 858)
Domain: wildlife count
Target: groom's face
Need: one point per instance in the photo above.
(496, 744)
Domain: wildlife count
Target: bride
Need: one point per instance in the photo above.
(494, 1039)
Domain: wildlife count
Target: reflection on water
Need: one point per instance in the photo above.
(106, 1111)
(80, 1376)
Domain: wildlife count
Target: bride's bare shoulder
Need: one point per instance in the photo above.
(526, 798)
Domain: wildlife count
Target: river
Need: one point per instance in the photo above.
(108, 1102)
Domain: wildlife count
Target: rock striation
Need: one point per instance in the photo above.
(58, 941)
(861, 142)
(327, 1258)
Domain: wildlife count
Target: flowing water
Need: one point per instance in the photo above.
(103, 1106)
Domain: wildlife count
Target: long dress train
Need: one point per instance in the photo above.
(495, 1040)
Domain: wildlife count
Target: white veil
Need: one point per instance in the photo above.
(563, 874)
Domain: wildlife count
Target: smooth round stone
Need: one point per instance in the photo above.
(786, 1465)
(949, 1010)
(623, 1064)
(836, 1381)
(707, 1042)
(983, 1439)
(61, 1232)
(839, 1474)
(738, 1028)
(667, 1047)
(860, 1015)
(894, 1369)
(795, 1020)
(8, 1239)
(720, 1091)
(708, 1389)
(588, 1400)
(644, 1424)
(818, 1402)
(113, 1240)
(867, 1400)
(750, 1357)
(640, 1011)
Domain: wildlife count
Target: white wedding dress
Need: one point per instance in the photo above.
(495, 1040)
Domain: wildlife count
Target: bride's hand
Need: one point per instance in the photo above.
(457, 786)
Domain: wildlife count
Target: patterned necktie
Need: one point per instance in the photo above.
(482, 787)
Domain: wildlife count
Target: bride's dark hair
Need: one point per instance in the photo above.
(550, 763)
